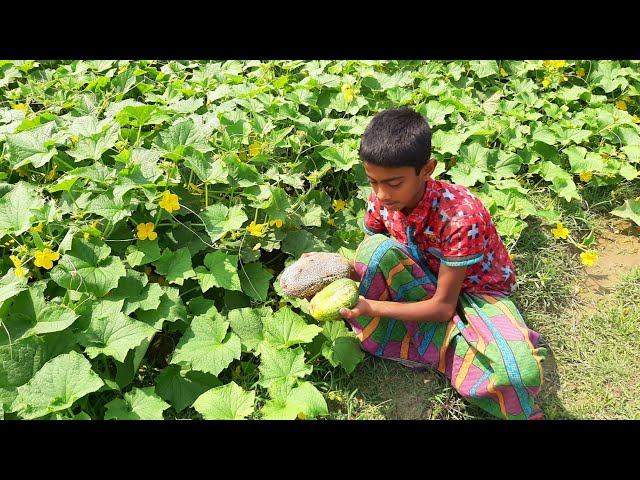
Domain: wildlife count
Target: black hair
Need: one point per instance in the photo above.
(398, 137)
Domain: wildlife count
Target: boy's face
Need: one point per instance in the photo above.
(399, 188)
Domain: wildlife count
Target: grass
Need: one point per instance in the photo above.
(592, 358)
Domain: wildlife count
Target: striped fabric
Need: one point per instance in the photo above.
(486, 350)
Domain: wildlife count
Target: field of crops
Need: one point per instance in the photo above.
(147, 209)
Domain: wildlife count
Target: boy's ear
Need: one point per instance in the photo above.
(429, 167)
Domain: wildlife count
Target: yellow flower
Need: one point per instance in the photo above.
(548, 64)
(503, 72)
(94, 224)
(339, 205)
(254, 149)
(16, 261)
(277, 222)
(301, 416)
(586, 176)
(19, 272)
(195, 188)
(559, 63)
(145, 230)
(588, 258)
(37, 228)
(564, 79)
(86, 235)
(331, 221)
(621, 105)
(257, 229)
(21, 106)
(347, 91)
(580, 73)
(560, 231)
(546, 82)
(635, 119)
(169, 201)
(45, 258)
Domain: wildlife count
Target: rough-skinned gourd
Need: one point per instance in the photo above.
(310, 274)
(326, 304)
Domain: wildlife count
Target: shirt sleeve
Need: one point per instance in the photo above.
(373, 222)
(463, 241)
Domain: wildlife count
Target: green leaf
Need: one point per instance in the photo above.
(247, 324)
(184, 133)
(206, 168)
(221, 271)
(581, 161)
(311, 402)
(15, 209)
(240, 174)
(285, 365)
(10, 285)
(228, 402)
(96, 172)
(138, 404)
(94, 146)
(113, 209)
(298, 242)
(56, 386)
(341, 346)
(342, 157)
(52, 318)
(504, 165)
(176, 266)
(181, 388)
(219, 220)
(287, 328)
(255, 280)
(606, 74)
(207, 346)
(436, 114)
(484, 68)
(113, 336)
(446, 142)
(137, 292)
(32, 145)
(278, 205)
(143, 252)
(171, 309)
(630, 210)
(88, 268)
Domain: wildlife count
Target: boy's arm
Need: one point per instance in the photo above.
(440, 308)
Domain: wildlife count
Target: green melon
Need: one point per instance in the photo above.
(326, 304)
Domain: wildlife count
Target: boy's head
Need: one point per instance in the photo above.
(398, 137)
(396, 151)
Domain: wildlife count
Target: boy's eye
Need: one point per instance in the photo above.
(394, 185)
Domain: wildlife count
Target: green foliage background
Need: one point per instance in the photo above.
(195, 320)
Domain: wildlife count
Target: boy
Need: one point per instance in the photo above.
(437, 293)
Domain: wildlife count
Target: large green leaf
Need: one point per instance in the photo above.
(207, 346)
(287, 328)
(138, 404)
(218, 219)
(56, 386)
(34, 146)
(228, 402)
(171, 308)
(15, 209)
(342, 157)
(255, 280)
(114, 336)
(137, 293)
(206, 168)
(247, 324)
(94, 146)
(180, 388)
(221, 271)
(630, 210)
(143, 252)
(87, 267)
(341, 346)
(286, 365)
(176, 266)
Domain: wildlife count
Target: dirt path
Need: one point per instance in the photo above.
(618, 247)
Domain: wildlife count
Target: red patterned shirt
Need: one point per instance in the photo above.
(450, 225)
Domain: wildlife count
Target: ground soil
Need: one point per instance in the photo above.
(618, 247)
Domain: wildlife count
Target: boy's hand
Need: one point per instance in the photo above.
(364, 308)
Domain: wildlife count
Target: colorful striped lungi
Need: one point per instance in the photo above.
(486, 350)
